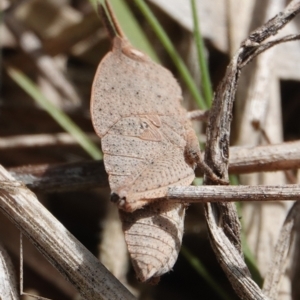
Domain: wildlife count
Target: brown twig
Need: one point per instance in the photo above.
(41, 140)
(199, 115)
(231, 193)
(266, 158)
(91, 174)
(222, 219)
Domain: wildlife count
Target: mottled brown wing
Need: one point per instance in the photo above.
(137, 113)
(127, 83)
(153, 237)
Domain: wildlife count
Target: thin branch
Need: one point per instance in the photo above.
(234, 193)
(199, 115)
(41, 140)
(265, 46)
(60, 247)
(266, 158)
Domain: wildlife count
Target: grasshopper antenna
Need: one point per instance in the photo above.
(110, 22)
(106, 21)
(114, 20)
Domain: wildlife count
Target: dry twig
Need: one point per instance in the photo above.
(221, 218)
(241, 193)
(41, 140)
(268, 158)
(86, 175)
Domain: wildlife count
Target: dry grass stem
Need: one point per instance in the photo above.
(8, 285)
(10, 237)
(41, 140)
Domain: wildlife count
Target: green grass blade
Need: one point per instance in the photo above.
(199, 267)
(60, 117)
(205, 78)
(164, 39)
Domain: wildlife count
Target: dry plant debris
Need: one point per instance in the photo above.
(66, 50)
